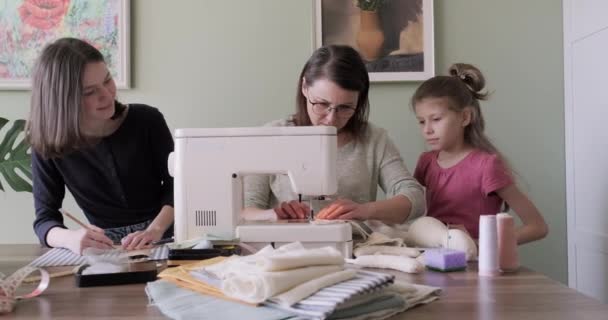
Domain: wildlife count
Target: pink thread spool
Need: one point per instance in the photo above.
(488, 246)
(508, 260)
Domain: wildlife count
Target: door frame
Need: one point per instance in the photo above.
(569, 142)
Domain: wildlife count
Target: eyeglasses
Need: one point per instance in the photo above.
(323, 109)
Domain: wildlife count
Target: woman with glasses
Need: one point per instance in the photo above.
(333, 91)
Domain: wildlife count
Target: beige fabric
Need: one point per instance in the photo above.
(428, 232)
(300, 258)
(415, 294)
(306, 289)
(377, 238)
(181, 276)
(255, 287)
(462, 241)
(378, 243)
(400, 263)
(387, 250)
(247, 278)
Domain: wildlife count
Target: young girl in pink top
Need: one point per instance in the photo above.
(464, 174)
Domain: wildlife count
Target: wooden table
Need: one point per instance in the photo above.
(524, 295)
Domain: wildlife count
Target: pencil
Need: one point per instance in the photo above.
(80, 223)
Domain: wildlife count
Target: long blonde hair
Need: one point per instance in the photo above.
(463, 89)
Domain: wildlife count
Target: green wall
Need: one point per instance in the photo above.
(235, 63)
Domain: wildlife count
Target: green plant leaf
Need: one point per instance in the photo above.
(14, 157)
(369, 5)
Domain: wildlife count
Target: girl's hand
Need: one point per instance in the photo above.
(292, 210)
(82, 238)
(346, 209)
(141, 239)
(534, 226)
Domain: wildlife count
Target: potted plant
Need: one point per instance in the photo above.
(370, 37)
(14, 157)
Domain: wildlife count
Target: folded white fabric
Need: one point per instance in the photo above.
(387, 250)
(270, 271)
(285, 260)
(404, 264)
(257, 286)
(289, 256)
(235, 264)
(288, 298)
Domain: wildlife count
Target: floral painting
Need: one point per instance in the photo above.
(394, 37)
(26, 26)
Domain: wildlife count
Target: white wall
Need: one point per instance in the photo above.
(586, 101)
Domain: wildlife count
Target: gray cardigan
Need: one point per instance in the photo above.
(363, 165)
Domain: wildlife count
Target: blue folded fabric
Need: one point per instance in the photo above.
(179, 303)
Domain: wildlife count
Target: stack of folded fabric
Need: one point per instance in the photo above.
(366, 287)
(270, 272)
(380, 251)
(302, 283)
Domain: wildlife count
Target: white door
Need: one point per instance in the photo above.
(586, 116)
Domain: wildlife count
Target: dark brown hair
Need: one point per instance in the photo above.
(53, 127)
(343, 66)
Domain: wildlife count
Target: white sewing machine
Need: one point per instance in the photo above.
(209, 165)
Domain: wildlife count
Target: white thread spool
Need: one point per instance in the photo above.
(488, 246)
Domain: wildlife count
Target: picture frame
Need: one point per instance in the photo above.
(394, 37)
(29, 25)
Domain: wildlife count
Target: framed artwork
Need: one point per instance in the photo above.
(394, 37)
(28, 25)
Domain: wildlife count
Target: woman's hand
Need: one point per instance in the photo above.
(141, 239)
(346, 209)
(80, 239)
(292, 210)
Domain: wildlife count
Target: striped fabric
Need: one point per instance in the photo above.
(325, 301)
(64, 257)
(57, 257)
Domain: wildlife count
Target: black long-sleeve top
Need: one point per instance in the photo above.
(120, 181)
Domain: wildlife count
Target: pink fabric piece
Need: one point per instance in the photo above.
(462, 193)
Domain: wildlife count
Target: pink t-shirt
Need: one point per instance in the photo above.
(463, 192)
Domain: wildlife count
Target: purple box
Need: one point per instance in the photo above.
(445, 259)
